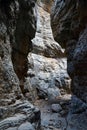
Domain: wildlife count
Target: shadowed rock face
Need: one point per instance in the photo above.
(68, 21)
(14, 109)
(20, 18)
(24, 32)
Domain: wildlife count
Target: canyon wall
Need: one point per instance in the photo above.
(17, 28)
(68, 21)
(47, 62)
(69, 26)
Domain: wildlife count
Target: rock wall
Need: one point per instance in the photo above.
(15, 43)
(68, 21)
(47, 63)
(45, 4)
(21, 43)
(20, 19)
(69, 25)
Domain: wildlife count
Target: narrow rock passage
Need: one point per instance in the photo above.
(47, 76)
(41, 78)
(54, 113)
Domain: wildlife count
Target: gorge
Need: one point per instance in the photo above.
(34, 66)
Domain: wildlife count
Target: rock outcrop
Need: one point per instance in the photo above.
(15, 43)
(69, 25)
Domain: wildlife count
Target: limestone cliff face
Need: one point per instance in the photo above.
(17, 28)
(68, 21)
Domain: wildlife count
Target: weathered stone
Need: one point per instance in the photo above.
(68, 21)
(21, 38)
(77, 115)
(49, 78)
(14, 109)
(45, 4)
(47, 63)
(77, 122)
(26, 126)
(19, 112)
(56, 107)
(43, 43)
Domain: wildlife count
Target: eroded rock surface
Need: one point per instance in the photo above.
(69, 21)
(21, 34)
(48, 76)
(47, 64)
(14, 109)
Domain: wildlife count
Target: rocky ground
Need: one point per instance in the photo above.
(54, 113)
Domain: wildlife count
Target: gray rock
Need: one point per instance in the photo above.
(69, 29)
(14, 128)
(77, 105)
(50, 77)
(56, 108)
(14, 109)
(26, 126)
(77, 121)
(43, 43)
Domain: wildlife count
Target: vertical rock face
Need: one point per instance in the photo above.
(47, 62)
(69, 25)
(17, 28)
(68, 21)
(19, 18)
(9, 82)
(24, 32)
